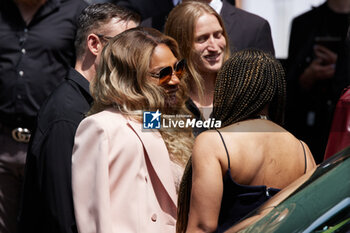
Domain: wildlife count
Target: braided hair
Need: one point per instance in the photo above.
(247, 82)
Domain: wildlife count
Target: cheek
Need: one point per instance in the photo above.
(199, 48)
(222, 43)
(152, 80)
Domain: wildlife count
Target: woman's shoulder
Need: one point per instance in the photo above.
(110, 117)
(107, 121)
(105, 115)
(207, 138)
(112, 126)
(209, 143)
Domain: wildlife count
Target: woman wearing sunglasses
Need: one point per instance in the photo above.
(125, 178)
(203, 42)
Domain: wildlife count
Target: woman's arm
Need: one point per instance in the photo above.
(207, 185)
(90, 179)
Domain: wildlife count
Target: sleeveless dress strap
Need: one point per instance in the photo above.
(304, 156)
(228, 157)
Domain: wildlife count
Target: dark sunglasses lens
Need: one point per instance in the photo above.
(165, 74)
(180, 68)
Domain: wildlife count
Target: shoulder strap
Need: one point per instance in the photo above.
(228, 157)
(304, 155)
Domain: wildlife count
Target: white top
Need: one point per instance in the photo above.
(175, 2)
(216, 5)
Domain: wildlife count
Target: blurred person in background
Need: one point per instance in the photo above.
(316, 39)
(339, 135)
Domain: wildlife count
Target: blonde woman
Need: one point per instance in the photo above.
(124, 178)
(203, 42)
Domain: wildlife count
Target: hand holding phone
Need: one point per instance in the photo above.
(331, 42)
(325, 55)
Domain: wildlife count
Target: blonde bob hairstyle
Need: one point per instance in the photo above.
(180, 25)
(122, 82)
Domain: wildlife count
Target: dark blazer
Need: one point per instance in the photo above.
(148, 8)
(245, 30)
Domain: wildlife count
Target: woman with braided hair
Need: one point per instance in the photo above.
(240, 166)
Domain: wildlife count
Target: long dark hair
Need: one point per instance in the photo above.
(247, 82)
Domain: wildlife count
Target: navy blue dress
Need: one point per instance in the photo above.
(238, 200)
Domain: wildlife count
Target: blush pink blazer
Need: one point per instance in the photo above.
(121, 177)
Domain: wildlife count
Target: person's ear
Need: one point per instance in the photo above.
(94, 44)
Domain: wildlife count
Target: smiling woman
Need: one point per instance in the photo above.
(134, 172)
(162, 71)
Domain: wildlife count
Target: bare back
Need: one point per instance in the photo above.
(263, 153)
(260, 152)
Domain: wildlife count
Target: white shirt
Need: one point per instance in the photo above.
(175, 2)
(216, 5)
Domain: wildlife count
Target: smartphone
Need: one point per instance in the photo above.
(331, 42)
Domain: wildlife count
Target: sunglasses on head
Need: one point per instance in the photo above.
(166, 73)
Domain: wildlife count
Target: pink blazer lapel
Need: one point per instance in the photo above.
(154, 147)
